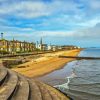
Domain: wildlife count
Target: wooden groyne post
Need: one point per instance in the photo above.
(80, 58)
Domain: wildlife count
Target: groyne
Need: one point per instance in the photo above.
(80, 58)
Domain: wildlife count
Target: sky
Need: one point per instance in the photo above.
(61, 22)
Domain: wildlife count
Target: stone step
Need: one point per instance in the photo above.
(56, 95)
(18, 87)
(3, 74)
(35, 93)
(22, 92)
(8, 87)
(44, 92)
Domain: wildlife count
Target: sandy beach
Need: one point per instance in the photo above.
(45, 64)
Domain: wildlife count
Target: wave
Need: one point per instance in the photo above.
(66, 85)
(83, 95)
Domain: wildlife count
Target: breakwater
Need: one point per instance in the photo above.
(80, 58)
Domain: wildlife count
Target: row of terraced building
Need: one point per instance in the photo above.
(14, 46)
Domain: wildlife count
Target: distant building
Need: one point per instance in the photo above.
(49, 47)
(15, 46)
(54, 47)
(41, 46)
(3, 45)
(68, 47)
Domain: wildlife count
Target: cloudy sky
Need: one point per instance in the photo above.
(75, 22)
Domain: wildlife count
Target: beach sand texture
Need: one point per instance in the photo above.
(45, 64)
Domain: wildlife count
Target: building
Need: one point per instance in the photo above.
(15, 46)
(69, 47)
(11, 46)
(4, 45)
(49, 47)
(54, 48)
(41, 46)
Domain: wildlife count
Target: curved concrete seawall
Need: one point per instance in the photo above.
(14, 86)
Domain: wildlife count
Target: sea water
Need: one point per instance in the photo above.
(84, 81)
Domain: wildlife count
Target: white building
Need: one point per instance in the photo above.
(41, 46)
(49, 47)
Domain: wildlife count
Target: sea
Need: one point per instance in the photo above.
(79, 79)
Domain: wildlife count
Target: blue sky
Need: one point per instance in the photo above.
(75, 22)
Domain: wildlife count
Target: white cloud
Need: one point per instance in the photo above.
(68, 14)
(90, 22)
(95, 4)
(26, 9)
(55, 33)
(32, 9)
(12, 29)
(89, 33)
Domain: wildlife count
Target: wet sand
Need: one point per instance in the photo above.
(59, 76)
(45, 64)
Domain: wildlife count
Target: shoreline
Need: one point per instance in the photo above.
(46, 64)
(58, 77)
(52, 71)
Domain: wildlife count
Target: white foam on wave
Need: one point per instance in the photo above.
(65, 85)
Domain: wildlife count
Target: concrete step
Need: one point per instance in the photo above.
(22, 92)
(9, 86)
(44, 92)
(3, 74)
(35, 93)
(53, 92)
(56, 95)
(17, 87)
